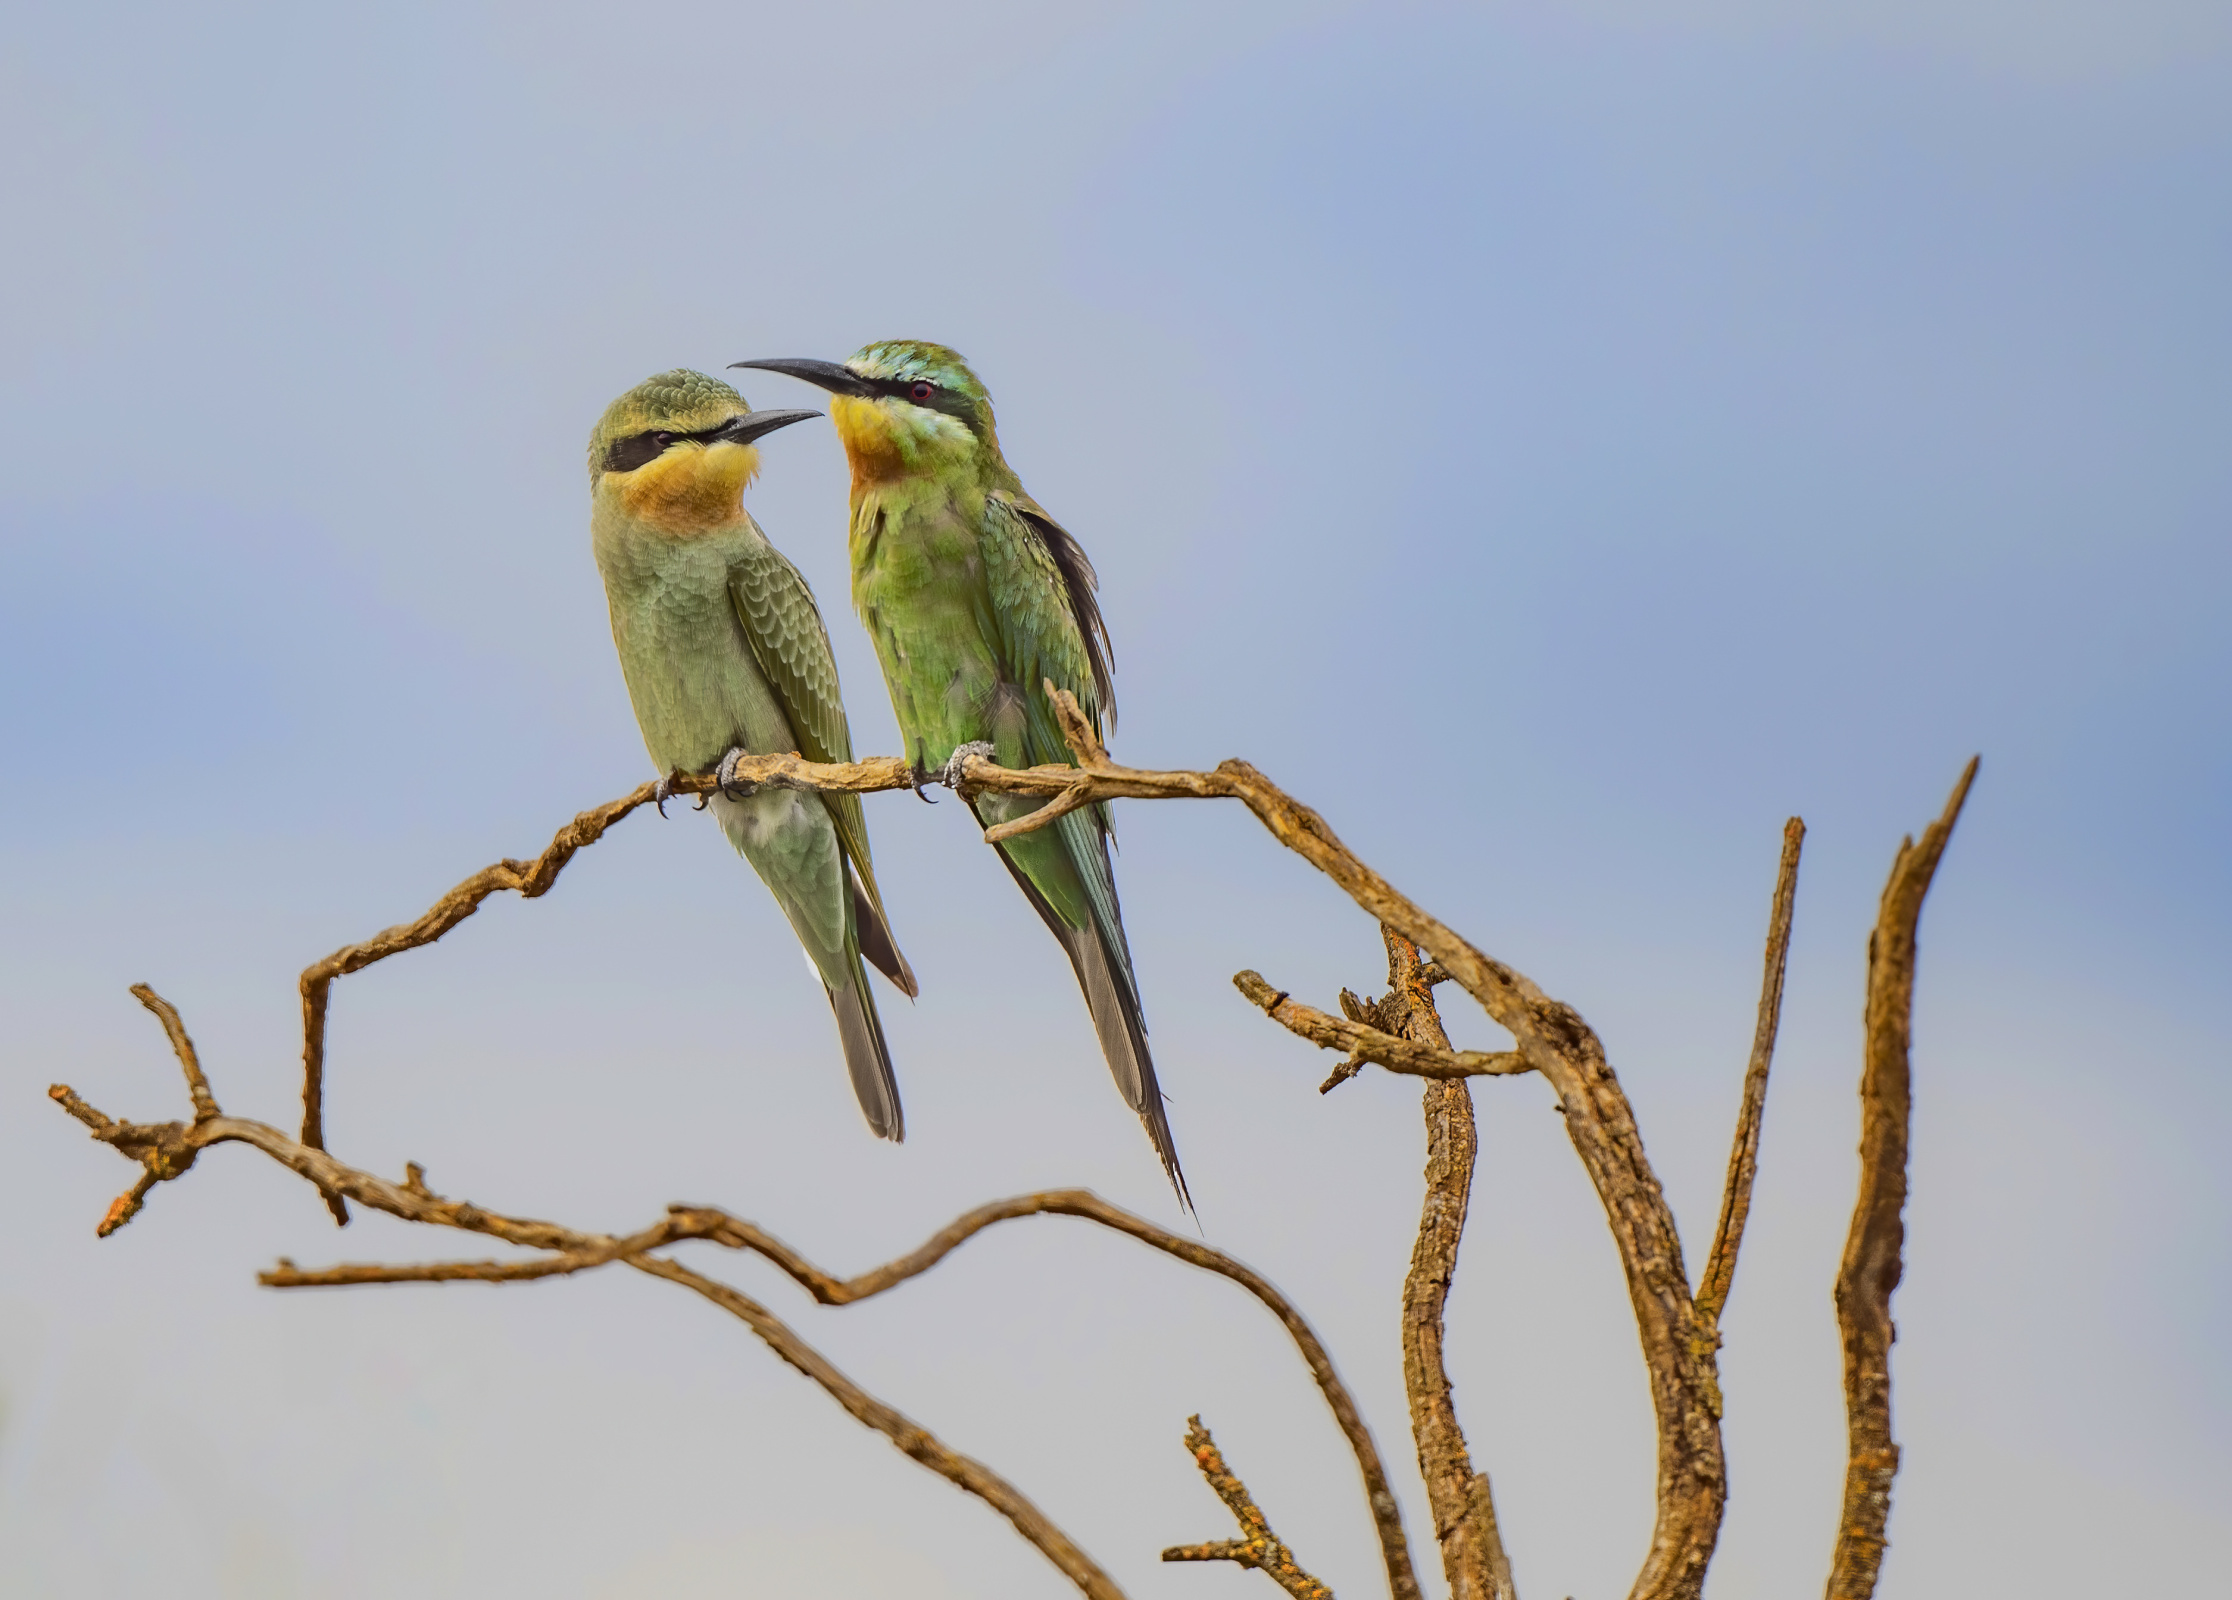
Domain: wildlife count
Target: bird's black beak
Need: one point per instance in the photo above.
(830, 375)
(750, 426)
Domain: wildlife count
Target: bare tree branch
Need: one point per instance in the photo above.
(197, 1086)
(1743, 1157)
(1872, 1257)
(1258, 1547)
(1402, 1580)
(1678, 1336)
(167, 1150)
(1553, 1040)
(1464, 1510)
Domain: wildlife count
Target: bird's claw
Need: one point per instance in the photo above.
(957, 763)
(662, 792)
(725, 775)
(920, 777)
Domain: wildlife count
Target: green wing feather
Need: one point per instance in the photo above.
(1046, 618)
(791, 645)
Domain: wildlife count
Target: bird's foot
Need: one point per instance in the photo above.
(725, 775)
(919, 778)
(662, 792)
(957, 763)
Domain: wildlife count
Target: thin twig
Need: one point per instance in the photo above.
(197, 1086)
(1258, 1547)
(1872, 1264)
(1367, 1043)
(1464, 1509)
(1743, 1157)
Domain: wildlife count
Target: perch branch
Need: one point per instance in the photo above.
(1743, 1157)
(1550, 1037)
(1872, 1264)
(1258, 1547)
(1473, 1557)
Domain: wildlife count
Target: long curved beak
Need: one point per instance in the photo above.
(830, 375)
(753, 424)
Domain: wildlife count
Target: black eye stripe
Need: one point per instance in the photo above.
(640, 449)
(951, 401)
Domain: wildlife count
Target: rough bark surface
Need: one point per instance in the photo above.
(1463, 1508)
(1873, 1249)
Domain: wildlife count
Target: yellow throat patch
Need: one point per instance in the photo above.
(693, 488)
(870, 438)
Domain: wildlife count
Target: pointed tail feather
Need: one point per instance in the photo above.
(1103, 968)
(867, 1057)
(876, 942)
(1123, 1041)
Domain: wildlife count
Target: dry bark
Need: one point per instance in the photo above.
(1872, 1256)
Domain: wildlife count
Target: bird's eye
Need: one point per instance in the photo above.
(661, 438)
(921, 390)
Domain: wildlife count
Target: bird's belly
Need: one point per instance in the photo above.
(696, 688)
(918, 585)
(792, 844)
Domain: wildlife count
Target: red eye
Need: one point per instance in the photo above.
(923, 389)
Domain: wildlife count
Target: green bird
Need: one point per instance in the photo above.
(725, 654)
(976, 597)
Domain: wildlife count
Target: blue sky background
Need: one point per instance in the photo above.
(1628, 422)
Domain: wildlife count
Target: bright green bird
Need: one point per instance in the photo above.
(725, 654)
(975, 597)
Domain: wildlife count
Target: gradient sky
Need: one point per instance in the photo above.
(1559, 441)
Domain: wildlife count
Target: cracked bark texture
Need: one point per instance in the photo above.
(1464, 1510)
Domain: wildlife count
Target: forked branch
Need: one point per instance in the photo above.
(1257, 1547)
(1872, 1257)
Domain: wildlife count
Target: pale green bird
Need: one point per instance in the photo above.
(975, 597)
(725, 654)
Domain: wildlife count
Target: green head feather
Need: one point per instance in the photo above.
(959, 392)
(680, 401)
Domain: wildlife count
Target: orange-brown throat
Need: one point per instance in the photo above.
(692, 488)
(870, 439)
